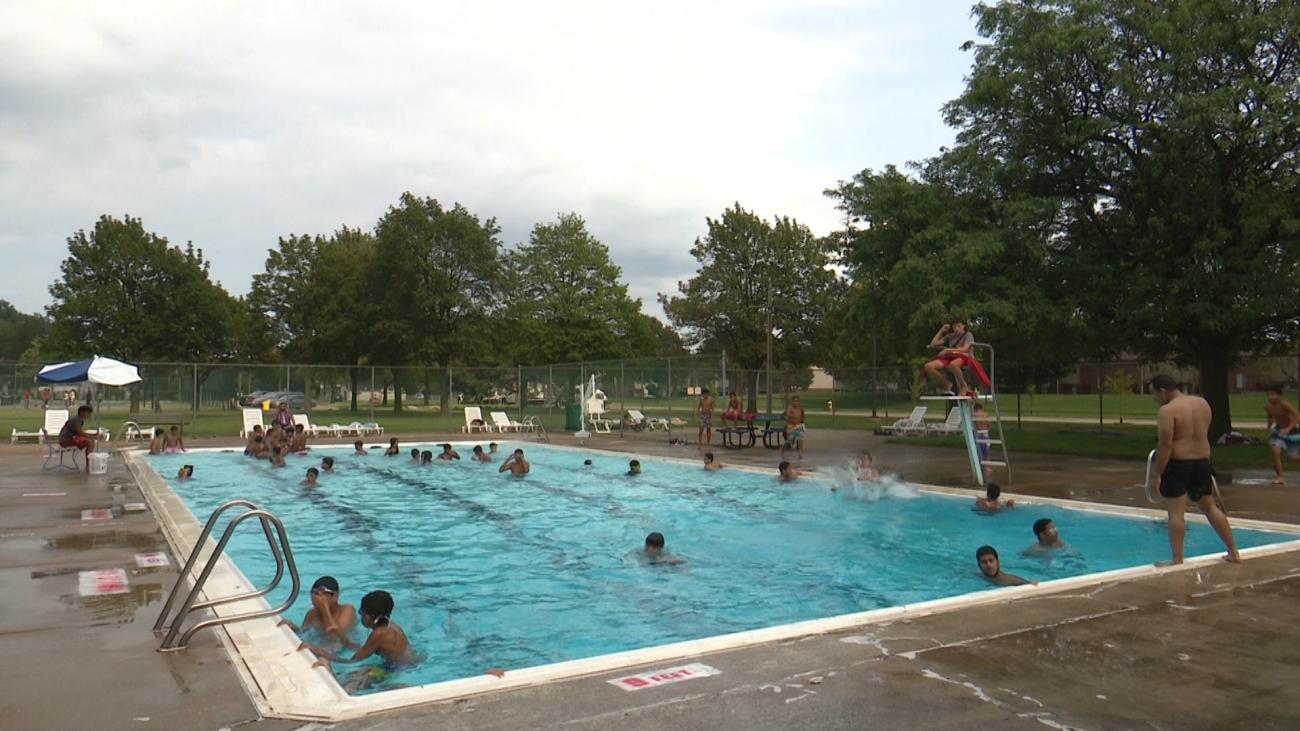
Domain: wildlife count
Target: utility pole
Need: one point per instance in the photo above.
(769, 341)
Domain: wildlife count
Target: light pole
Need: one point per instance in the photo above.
(769, 343)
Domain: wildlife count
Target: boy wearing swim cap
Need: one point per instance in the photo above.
(333, 619)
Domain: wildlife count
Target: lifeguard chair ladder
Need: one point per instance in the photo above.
(966, 404)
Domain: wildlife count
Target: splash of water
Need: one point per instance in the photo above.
(844, 479)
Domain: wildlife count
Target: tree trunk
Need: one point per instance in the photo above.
(355, 374)
(751, 390)
(1214, 387)
(397, 391)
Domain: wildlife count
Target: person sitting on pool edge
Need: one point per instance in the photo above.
(386, 639)
(359, 449)
(333, 619)
(173, 443)
(787, 472)
(991, 568)
(415, 455)
(480, 455)
(327, 464)
(516, 464)
(1048, 537)
(634, 468)
(711, 464)
(990, 503)
(254, 437)
(654, 551)
(312, 474)
(393, 448)
(448, 452)
(298, 442)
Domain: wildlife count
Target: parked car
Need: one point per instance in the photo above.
(255, 398)
(296, 399)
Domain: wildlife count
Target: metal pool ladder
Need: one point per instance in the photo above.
(282, 553)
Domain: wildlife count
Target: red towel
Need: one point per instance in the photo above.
(968, 361)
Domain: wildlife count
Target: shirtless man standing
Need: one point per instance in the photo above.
(704, 410)
(1183, 469)
(1283, 422)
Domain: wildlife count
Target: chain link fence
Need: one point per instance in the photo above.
(433, 398)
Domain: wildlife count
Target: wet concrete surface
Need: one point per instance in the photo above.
(1198, 648)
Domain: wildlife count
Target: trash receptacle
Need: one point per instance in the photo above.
(99, 463)
(572, 417)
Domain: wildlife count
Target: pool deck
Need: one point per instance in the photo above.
(1209, 647)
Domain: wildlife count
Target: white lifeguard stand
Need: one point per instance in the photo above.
(966, 404)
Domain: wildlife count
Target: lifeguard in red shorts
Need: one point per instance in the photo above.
(955, 344)
(73, 434)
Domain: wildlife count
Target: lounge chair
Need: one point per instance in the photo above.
(372, 427)
(252, 418)
(951, 425)
(636, 420)
(314, 430)
(474, 421)
(501, 420)
(596, 415)
(914, 424)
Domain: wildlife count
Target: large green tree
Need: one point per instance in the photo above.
(433, 281)
(754, 274)
(313, 293)
(930, 247)
(567, 302)
(1167, 135)
(18, 331)
(125, 292)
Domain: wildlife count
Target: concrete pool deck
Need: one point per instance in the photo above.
(1200, 648)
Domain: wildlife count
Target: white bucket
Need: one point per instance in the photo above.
(99, 463)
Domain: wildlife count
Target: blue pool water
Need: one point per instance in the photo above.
(487, 570)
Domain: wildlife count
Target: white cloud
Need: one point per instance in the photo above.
(233, 124)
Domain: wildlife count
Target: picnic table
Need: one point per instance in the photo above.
(745, 434)
(773, 430)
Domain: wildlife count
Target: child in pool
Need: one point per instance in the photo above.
(387, 640)
(332, 618)
(394, 448)
(358, 448)
(298, 442)
(156, 444)
(710, 463)
(415, 456)
(173, 443)
(254, 438)
(187, 471)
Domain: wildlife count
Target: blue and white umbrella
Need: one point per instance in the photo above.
(98, 369)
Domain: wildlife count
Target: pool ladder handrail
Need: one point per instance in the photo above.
(283, 555)
(1150, 486)
(539, 431)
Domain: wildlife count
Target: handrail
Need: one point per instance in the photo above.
(1149, 485)
(266, 519)
(194, 555)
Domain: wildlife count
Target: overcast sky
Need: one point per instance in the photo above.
(232, 124)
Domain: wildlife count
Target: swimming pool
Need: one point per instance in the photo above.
(491, 571)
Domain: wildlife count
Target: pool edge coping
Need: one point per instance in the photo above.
(282, 683)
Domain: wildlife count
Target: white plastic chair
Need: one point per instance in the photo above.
(475, 414)
(914, 424)
(252, 418)
(951, 425)
(501, 420)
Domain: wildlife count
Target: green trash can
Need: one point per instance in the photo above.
(572, 417)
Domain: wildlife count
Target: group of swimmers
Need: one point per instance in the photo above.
(275, 442)
(1046, 540)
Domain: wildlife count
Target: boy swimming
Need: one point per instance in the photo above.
(358, 448)
(515, 464)
(387, 640)
(335, 620)
(991, 502)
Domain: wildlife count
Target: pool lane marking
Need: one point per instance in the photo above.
(103, 581)
(664, 676)
(44, 494)
(97, 514)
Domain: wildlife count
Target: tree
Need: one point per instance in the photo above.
(313, 291)
(1168, 134)
(431, 283)
(125, 292)
(567, 302)
(18, 331)
(754, 274)
(935, 247)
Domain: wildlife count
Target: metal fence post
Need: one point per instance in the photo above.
(670, 400)
(372, 393)
(622, 398)
(194, 402)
